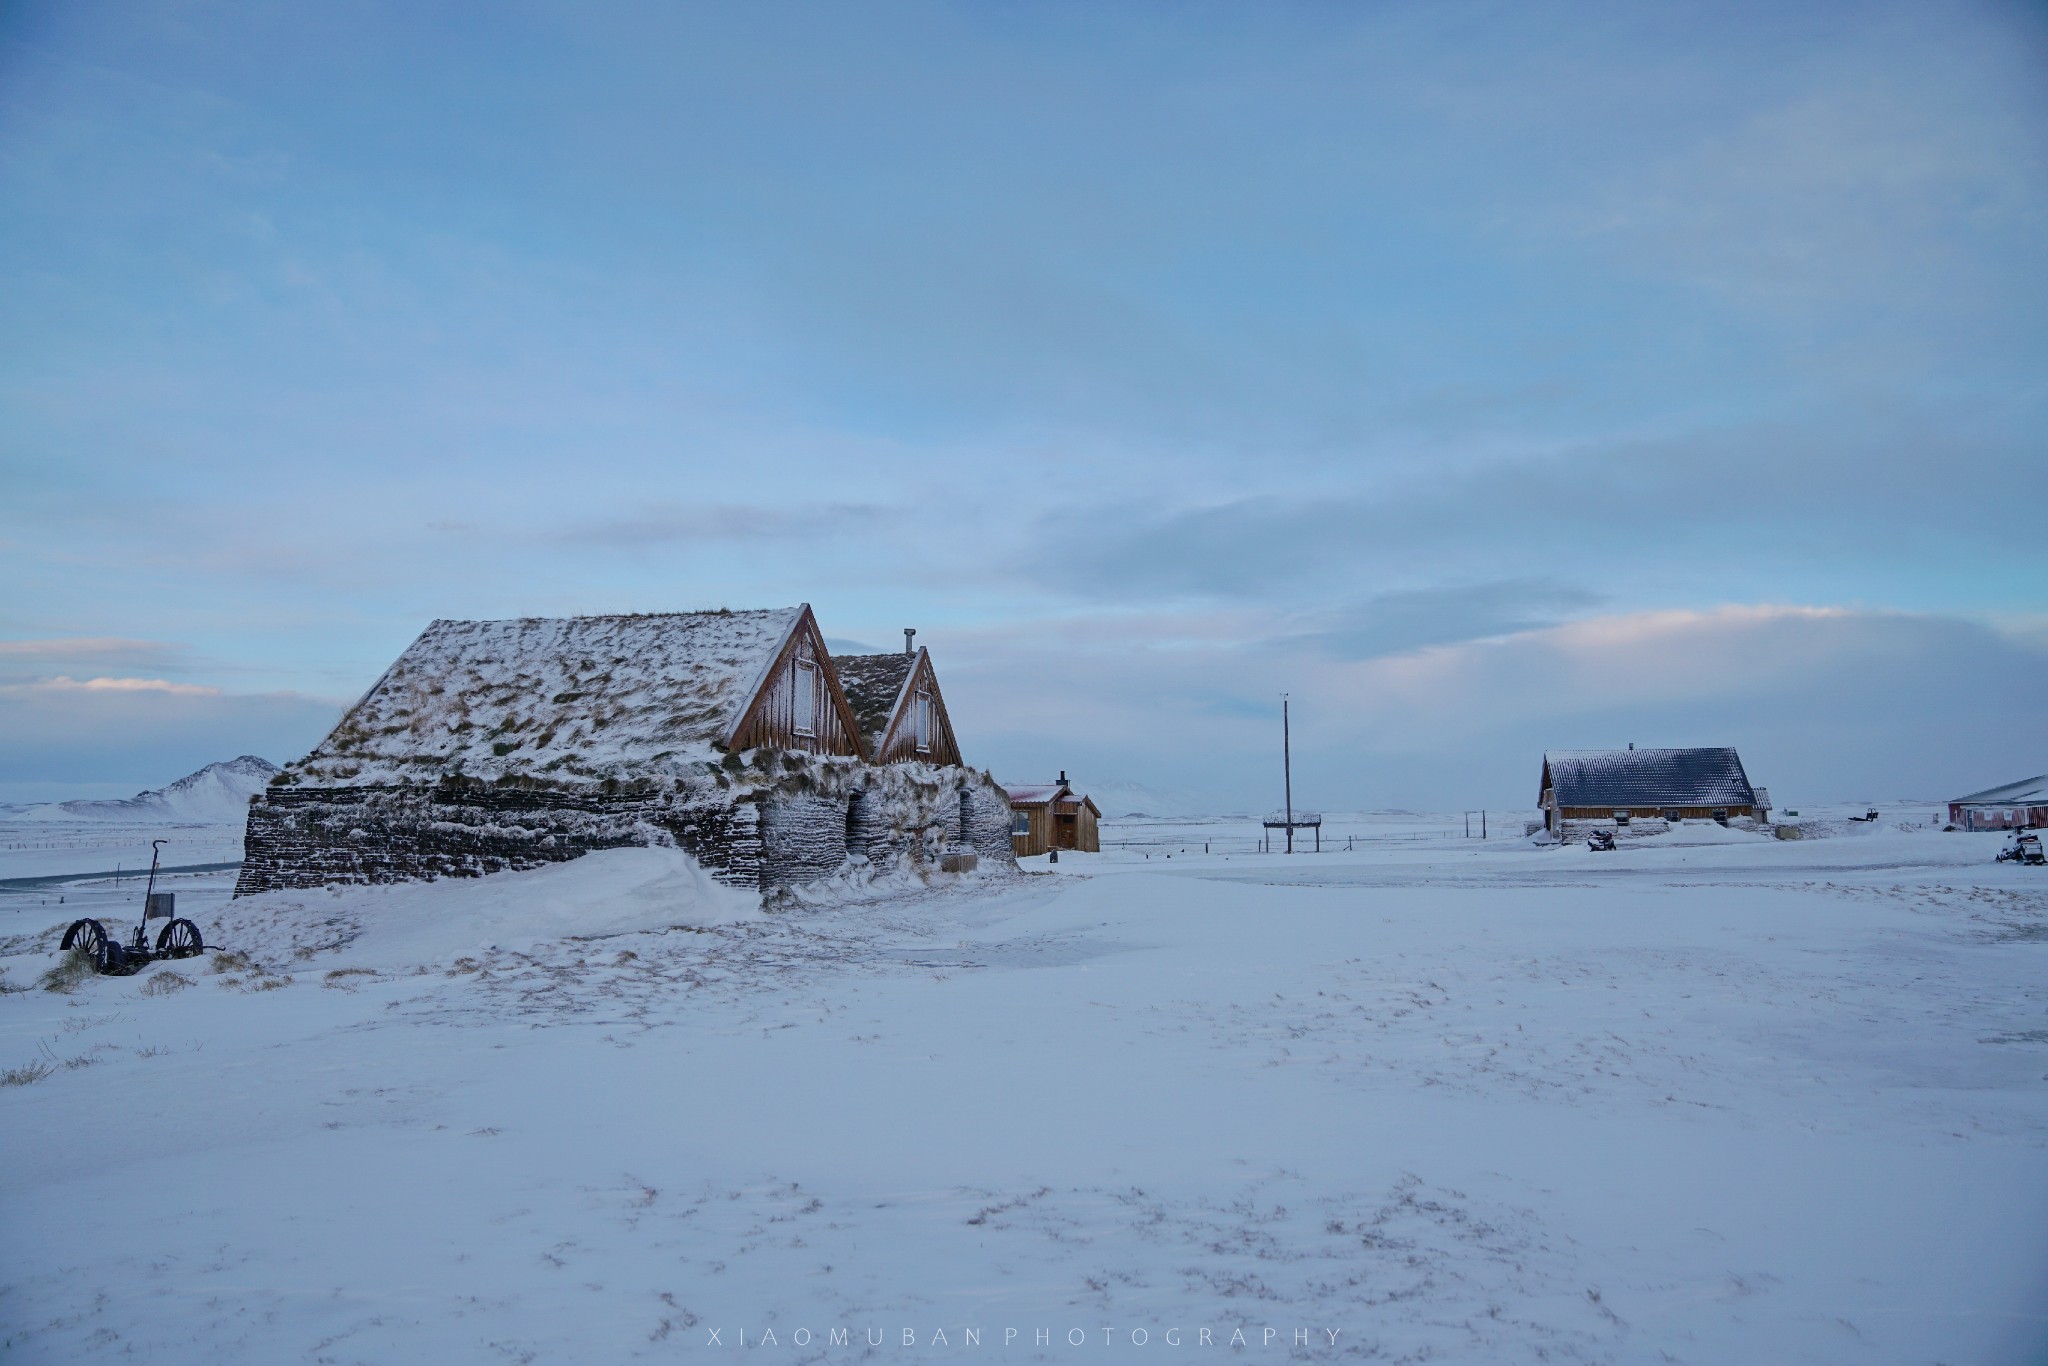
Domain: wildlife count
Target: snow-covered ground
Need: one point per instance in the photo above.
(1702, 1099)
(201, 818)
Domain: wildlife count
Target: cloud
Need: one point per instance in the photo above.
(64, 684)
(679, 522)
(1823, 703)
(28, 660)
(1396, 623)
(1734, 510)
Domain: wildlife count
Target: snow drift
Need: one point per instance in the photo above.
(410, 924)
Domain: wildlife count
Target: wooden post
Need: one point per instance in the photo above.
(1287, 771)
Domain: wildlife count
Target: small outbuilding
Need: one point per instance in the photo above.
(1621, 786)
(2024, 803)
(1048, 816)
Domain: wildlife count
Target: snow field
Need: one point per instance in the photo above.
(1739, 1102)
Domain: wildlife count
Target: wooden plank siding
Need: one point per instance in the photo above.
(772, 720)
(1068, 821)
(1036, 837)
(899, 742)
(1075, 826)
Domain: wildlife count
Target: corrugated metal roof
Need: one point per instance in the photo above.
(1032, 794)
(1648, 777)
(2025, 792)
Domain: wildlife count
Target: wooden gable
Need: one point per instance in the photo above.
(919, 702)
(798, 704)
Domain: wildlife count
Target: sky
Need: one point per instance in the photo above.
(1485, 378)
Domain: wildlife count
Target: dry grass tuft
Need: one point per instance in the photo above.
(165, 983)
(23, 1075)
(343, 979)
(73, 968)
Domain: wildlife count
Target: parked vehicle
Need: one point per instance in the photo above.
(1600, 841)
(2023, 847)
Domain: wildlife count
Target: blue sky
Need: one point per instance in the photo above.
(1488, 377)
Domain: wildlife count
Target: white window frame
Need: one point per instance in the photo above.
(1020, 822)
(921, 717)
(799, 686)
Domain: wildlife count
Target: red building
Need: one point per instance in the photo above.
(2003, 808)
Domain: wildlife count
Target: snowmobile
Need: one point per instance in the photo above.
(1601, 841)
(2024, 847)
(1869, 815)
(112, 958)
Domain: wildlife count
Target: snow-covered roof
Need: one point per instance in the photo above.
(2025, 792)
(571, 698)
(873, 685)
(1648, 777)
(1033, 794)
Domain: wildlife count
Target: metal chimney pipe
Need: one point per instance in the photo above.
(908, 632)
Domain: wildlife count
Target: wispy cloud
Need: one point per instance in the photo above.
(63, 684)
(665, 523)
(1396, 623)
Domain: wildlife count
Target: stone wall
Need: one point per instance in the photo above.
(312, 837)
(803, 837)
(802, 825)
(986, 813)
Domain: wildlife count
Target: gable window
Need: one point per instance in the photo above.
(806, 705)
(921, 721)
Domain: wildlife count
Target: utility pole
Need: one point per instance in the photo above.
(1287, 771)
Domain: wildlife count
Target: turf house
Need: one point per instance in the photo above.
(494, 745)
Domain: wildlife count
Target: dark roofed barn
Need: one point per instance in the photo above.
(2011, 807)
(1631, 784)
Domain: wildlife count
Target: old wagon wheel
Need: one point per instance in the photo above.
(87, 935)
(179, 939)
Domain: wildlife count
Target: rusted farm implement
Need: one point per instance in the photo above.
(110, 957)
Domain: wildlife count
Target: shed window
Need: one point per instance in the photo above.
(806, 707)
(1020, 823)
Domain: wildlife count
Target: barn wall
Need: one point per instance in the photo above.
(1685, 813)
(1996, 816)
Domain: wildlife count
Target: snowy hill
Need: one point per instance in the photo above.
(1114, 799)
(216, 795)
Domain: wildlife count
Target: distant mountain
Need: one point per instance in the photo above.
(216, 795)
(1114, 799)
